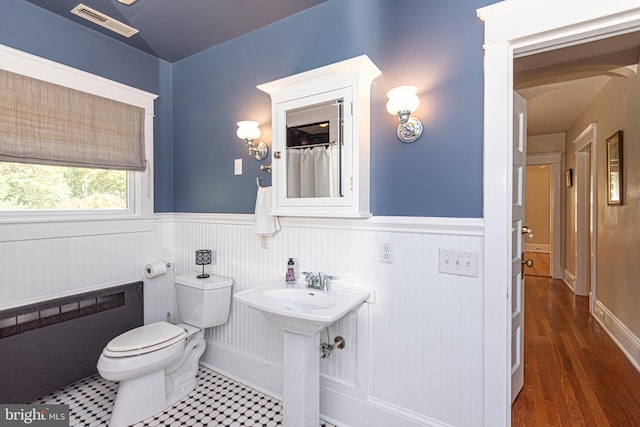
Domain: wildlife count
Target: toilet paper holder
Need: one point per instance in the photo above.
(156, 269)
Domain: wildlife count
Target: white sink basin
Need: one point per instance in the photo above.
(300, 299)
(300, 309)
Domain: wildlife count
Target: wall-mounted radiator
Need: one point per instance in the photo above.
(48, 345)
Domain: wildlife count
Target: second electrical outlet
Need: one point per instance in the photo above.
(386, 252)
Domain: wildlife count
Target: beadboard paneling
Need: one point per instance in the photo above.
(415, 352)
(37, 270)
(414, 356)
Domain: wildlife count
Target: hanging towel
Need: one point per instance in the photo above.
(265, 223)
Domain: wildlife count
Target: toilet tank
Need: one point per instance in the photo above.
(203, 303)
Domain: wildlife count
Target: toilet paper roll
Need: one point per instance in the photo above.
(155, 269)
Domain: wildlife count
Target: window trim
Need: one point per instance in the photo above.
(139, 215)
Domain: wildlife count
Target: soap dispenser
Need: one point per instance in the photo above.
(290, 277)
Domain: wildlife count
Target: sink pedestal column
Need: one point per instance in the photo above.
(301, 385)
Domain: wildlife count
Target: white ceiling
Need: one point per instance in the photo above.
(560, 84)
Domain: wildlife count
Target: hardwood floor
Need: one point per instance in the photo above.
(574, 374)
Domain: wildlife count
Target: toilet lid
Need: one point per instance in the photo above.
(145, 339)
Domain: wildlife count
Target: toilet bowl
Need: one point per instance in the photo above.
(157, 364)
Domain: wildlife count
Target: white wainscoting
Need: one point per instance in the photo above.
(39, 269)
(414, 357)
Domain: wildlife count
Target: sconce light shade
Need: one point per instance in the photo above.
(403, 100)
(203, 257)
(248, 131)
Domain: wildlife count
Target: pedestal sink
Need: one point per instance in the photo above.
(302, 313)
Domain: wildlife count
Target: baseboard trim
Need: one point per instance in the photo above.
(372, 412)
(335, 407)
(240, 366)
(626, 340)
(537, 247)
(569, 279)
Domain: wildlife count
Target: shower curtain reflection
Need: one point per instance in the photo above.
(313, 171)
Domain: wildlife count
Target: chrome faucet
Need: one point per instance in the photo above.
(318, 280)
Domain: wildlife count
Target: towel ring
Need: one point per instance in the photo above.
(258, 182)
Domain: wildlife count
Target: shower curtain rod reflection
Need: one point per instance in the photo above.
(323, 144)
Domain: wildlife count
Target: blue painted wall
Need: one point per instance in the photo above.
(34, 30)
(435, 45)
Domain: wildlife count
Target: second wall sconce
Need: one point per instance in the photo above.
(402, 102)
(249, 132)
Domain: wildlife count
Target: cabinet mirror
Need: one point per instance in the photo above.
(320, 132)
(314, 150)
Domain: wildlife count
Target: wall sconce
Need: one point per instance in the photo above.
(249, 132)
(402, 102)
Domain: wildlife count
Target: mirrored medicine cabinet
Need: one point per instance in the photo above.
(320, 129)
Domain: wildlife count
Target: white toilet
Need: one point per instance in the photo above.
(157, 364)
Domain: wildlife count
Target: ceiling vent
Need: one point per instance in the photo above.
(103, 20)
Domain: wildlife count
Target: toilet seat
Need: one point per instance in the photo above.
(145, 339)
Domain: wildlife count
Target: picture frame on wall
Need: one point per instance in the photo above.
(615, 170)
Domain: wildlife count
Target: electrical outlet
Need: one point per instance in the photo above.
(386, 252)
(237, 166)
(264, 242)
(459, 263)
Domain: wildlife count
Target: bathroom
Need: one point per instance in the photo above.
(414, 357)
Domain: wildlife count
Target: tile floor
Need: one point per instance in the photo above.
(216, 401)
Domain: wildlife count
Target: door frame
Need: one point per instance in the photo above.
(586, 212)
(515, 28)
(557, 231)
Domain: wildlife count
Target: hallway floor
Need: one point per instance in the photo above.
(216, 401)
(574, 373)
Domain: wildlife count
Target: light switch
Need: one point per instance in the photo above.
(237, 166)
(460, 263)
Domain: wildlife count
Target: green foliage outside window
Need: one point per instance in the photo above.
(33, 187)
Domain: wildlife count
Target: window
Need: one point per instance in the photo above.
(49, 184)
(41, 187)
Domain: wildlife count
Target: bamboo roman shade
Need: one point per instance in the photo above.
(45, 123)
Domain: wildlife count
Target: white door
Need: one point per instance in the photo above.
(518, 229)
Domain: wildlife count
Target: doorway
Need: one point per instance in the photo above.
(553, 209)
(537, 245)
(511, 30)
